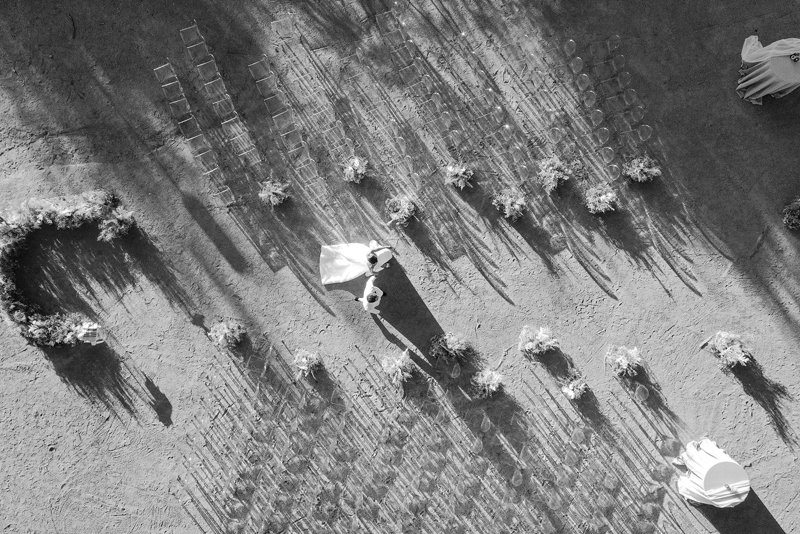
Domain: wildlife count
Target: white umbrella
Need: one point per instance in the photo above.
(714, 477)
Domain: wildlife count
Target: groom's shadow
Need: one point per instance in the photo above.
(401, 306)
(404, 309)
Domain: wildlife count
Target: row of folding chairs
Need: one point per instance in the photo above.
(181, 111)
(234, 130)
(190, 129)
(297, 154)
(276, 103)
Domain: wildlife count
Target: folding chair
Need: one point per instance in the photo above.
(333, 137)
(173, 91)
(401, 56)
(284, 28)
(215, 90)
(189, 127)
(305, 168)
(224, 107)
(260, 69)
(615, 104)
(165, 74)
(214, 175)
(275, 103)
(233, 128)
(284, 120)
(198, 144)
(180, 108)
(340, 154)
(610, 87)
(395, 39)
(410, 75)
(608, 68)
(241, 143)
(268, 85)
(208, 161)
(292, 139)
(250, 157)
(417, 90)
(224, 197)
(198, 52)
(387, 22)
(191, 35)
(208, 70)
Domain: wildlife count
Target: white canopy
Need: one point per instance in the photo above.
(714, 477)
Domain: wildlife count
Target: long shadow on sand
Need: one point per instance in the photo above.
(769, 394)
(405, 310)
(96, 373)
(750, 516)
(60, 270)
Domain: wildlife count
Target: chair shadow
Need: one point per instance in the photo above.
(769, 394)
(750, 516)
(497, 436)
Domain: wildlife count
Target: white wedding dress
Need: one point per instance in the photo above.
(340, 263)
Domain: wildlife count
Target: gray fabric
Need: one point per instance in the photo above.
(768, 70)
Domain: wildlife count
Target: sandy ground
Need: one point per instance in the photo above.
(96, 446)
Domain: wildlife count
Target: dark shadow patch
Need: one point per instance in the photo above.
(646, 392)
(750, 516)
(405, 310)
(160, 403)
(590, 411)
(769, 394)
(205, 220)
(557, 363)
(199, 321)
(96, 373)
(60, 269)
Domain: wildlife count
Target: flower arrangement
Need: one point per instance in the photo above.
(457, 175)
(227, 334)
(553, 171)
(791, 215)
(624, 362)
(450, 347)
(601, 199)
(398, 368)
(401, 210)
(511, 203)
(100, 207)
(730, 350)
(355, 170)
(575, 388)
(488, 383)
(536, 343)
(641, 169)
(273, 192)
(307, 362)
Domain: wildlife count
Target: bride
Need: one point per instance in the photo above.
(340, 263)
